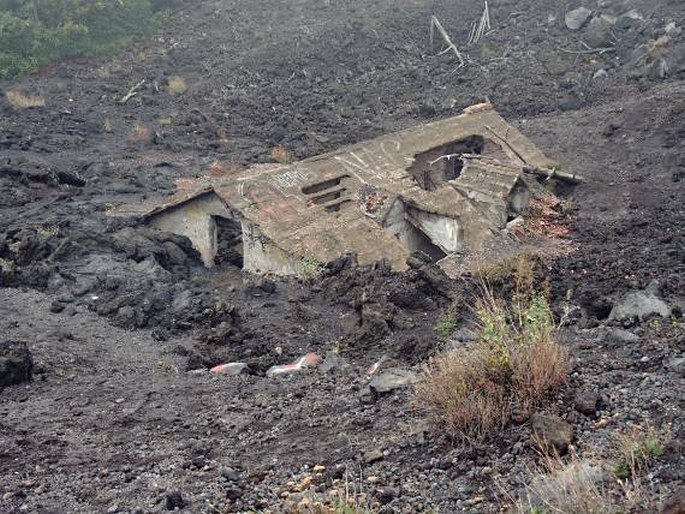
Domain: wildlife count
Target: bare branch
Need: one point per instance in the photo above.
(132, 92)
(436, 25)
(589, 50)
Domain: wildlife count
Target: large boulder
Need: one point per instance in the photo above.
(16, 363)
(576, 18)
(552, 431)
(640, 305)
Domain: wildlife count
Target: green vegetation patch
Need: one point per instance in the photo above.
(34, 33)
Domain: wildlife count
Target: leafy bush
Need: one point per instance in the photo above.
(36, 32)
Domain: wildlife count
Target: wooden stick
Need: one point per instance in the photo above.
(435, 24)
(589, 50)
(132, 92)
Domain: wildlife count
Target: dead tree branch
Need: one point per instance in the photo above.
(436, 25)
(447, 156)
(132, 92)
(554, 173)
(588, 51)
(480, 27)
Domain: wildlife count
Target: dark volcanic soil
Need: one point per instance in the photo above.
(116, 316)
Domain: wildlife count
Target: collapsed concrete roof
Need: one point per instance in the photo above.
(443, 188)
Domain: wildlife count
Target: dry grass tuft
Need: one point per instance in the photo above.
(19, 101)
(584, 486)
(281, 155)
(577, 486)
(519, 268)
(637, 449)
(515, 365)
(138, 134)
(176, 85)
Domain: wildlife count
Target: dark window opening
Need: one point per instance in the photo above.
(438, 165)
(229, 239)
(327, 196)
(323, 185)
(335, 206)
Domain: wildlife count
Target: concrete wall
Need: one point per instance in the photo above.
(194, 219)
(444, 232)
(418, 230)
(260, 255)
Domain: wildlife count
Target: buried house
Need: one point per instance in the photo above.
(442, 188)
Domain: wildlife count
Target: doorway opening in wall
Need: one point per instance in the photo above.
(417, 241)
(229, 242)
(438, 165)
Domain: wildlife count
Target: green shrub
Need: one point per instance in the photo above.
(37, 32)
(445, 325)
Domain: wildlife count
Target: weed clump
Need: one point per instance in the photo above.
(636, 451)
(445, 325)
(176, 85)
(19, 101)
(594, 486)
(514, 366)
(281, 155)
(309, 268)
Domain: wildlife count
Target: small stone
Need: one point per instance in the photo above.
(387, 494)
(620, 335)
(569, 102)
(233, 492)
(391, 380)
(373, 456)
(676, 365)
(174, 500)
(586, 402)
(229, 474)
(576, 18)
(600, 74)
(16, 363)
(552, 430)
(671, 29)
(56, 307)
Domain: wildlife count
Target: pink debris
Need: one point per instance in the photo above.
(376, 366)
(311, 359)
(231, 368)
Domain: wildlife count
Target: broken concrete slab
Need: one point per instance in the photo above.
(442, 188)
